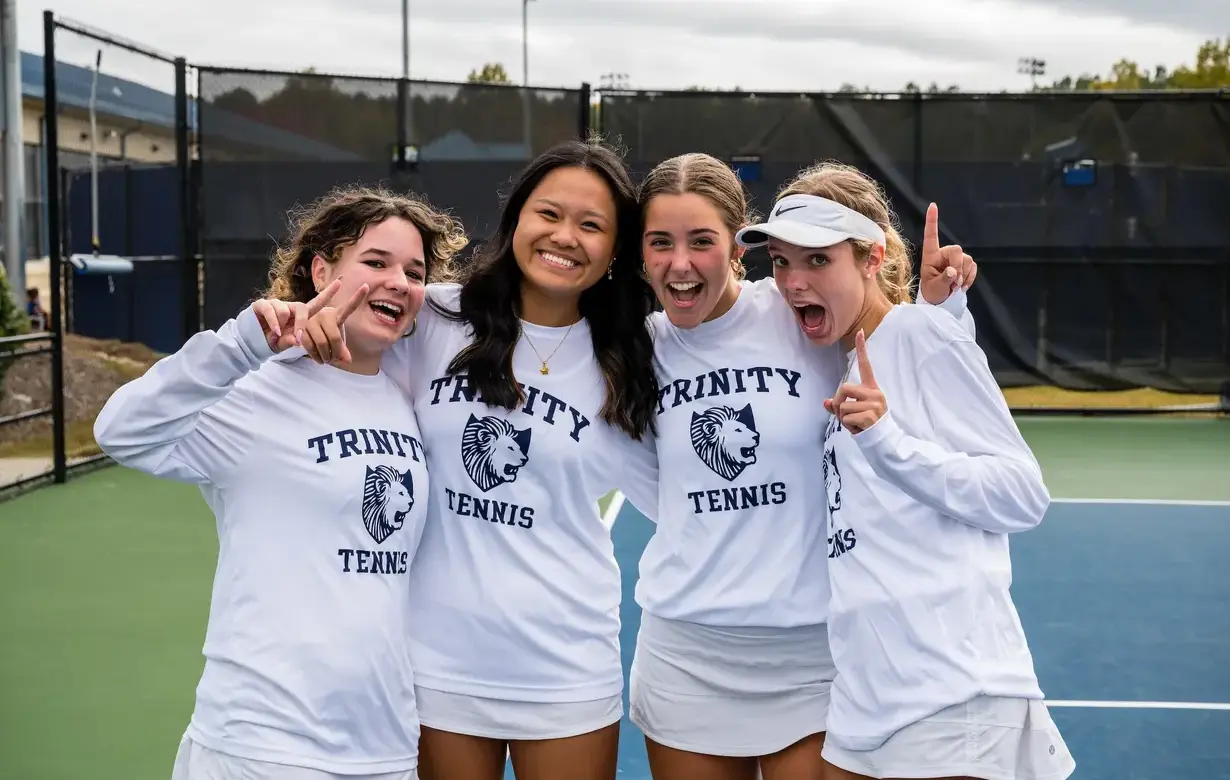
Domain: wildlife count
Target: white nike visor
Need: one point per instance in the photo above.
(811, 222)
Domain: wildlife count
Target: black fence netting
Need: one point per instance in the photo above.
(271, 141)
(1099, 219)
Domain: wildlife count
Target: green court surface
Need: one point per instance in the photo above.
(105, 582)
(1153, 458)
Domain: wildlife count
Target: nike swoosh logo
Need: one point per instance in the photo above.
(789, 208)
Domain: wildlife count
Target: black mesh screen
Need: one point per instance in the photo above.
(1099, 220)
(271, 141)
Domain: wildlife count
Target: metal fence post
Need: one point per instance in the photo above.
(399, 150)
(583, 118)
(190, 278)
(51, 135)
(918, 140)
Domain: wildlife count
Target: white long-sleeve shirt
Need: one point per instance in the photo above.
(741, 420)
(516, 591)
(318, 481)
(920, 506)
(741, 536)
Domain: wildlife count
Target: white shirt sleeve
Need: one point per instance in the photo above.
(639, 474)
(410, 354)
(398, 364)
(182, 420)
(956, 304)
(980, 471)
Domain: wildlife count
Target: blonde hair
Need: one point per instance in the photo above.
(337, 221)
(855, 190)
(701, 174)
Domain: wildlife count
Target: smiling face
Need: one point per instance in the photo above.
(389, 259)
(827, 288)
(564, 241)
(688, 250)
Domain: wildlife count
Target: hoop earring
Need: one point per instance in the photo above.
(414, 325)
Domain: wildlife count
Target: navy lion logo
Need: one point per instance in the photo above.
(493, 451)
(725, 439)
(388, 496)
(832, 479)
(832, 476)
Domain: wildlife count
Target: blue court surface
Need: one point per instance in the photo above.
(1126, 606)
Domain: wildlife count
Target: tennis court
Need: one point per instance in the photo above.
(104, 590)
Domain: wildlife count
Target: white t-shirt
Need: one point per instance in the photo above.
(516, 589)
(741, 537)
(921, 505)
(318, 481)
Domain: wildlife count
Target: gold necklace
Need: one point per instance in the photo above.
(544, 370)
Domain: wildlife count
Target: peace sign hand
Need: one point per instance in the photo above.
(324, 338)
(944, 269)
(282, 322)
(859, 406)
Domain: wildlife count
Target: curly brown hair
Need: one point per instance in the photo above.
(338, 220)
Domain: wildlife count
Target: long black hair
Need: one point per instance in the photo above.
(615, 309)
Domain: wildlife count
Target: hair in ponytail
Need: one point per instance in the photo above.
(856, 190)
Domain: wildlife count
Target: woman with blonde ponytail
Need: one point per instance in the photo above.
(934, 678)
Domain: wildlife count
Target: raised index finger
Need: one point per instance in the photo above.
(931, 230)
(352, 303)
(865, 374)
(322, 299)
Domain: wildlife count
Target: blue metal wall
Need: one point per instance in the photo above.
(138, 218)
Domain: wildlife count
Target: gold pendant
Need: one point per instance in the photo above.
(544, 369)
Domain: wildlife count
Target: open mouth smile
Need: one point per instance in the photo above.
(558, 261)
(684, 294)
(387, 312)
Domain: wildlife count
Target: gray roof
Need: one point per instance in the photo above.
(130, 100)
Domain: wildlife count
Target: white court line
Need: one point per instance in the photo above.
(1142, 501)
(617, 502)
(1142, 705)
(612, 509)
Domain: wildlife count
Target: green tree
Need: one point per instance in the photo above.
(490, 73)
(13, 319)
(1211, 70)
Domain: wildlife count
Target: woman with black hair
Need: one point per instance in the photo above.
(534, 387)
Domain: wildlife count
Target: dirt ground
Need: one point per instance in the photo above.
(93, 370)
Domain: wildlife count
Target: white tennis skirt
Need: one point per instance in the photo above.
(194, 761)
(478, 716)
(988, 737)
(729, 691)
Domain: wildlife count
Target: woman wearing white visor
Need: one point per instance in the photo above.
(926, 476)
(732, 670)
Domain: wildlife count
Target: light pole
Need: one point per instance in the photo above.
(526, 121)
(614, 82)
(405, 39)
(14, 156)
(1031, 67)
(94, 242)
(405, 97)
(525, 42)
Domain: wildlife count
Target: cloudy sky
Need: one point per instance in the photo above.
(804, 45)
